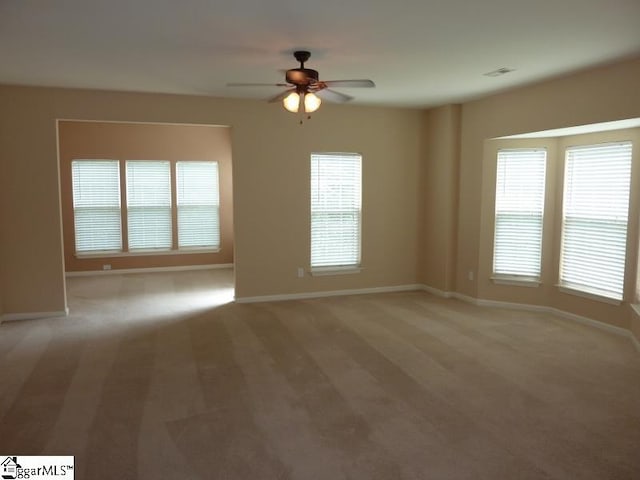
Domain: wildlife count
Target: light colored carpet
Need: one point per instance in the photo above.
(158, 376)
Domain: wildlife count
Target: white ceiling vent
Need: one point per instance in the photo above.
(498, 72)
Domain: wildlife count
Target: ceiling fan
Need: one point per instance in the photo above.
(306, 90)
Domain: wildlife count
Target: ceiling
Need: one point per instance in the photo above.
(419, 53)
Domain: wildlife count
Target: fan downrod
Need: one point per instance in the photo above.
(302, 56)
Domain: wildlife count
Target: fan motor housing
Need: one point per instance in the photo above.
(301, 76)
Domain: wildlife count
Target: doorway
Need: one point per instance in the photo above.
(138, 198)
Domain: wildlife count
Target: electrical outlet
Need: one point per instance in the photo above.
(470, 275)
(300, 272)
(106, 266)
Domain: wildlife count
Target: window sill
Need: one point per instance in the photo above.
(324, 271)
(142, 253)
(516, 281)
(590, 294)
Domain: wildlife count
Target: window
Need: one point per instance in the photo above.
(596, 207)
(335, 209)
(150, 214)
(520, 184)
(96, 205)
(149, 205)
(198, 203)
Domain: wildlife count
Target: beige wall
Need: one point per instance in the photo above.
(603, 94)
(635, 325)
(599, 95)
(402, 150)
(270, 187)
(32, 277)
(486, 288)
(4, 173)
(131, 141)
(615, 315)
(272, 205)
(438, 208)
(547, 293)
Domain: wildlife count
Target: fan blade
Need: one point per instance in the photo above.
(257, 84)
(349, 83)
(281, 95)
(333, 96)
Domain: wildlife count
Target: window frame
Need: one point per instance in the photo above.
(338, 268)
(531, 278)
(215, 205)
(589, 290)
(124, 227)
(74, 200)
(158, 205)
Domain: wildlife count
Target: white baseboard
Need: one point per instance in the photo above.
(636, 310)
(330, 293)
(11, 317)
(436, 291)
(537, 308)
(444, 294)
(466, 298)
(181, 268)
(591, 322)
(516, 306)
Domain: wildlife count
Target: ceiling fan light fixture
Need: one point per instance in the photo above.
(303, 83)
(311, 102)
(292, 102)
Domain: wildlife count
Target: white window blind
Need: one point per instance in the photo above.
(198, 202)
(520, 185)
(336, 183)
(96, 205)
(149, 205)
(596, 208)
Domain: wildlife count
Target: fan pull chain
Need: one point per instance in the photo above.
(302, 119)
